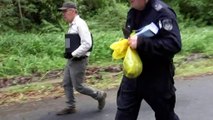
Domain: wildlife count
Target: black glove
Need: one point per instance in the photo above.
(68, 55)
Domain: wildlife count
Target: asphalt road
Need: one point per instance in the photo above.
(194, 102)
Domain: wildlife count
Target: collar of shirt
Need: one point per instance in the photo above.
(74, 20)
(73, 26)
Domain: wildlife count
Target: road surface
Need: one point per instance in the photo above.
(194, 102)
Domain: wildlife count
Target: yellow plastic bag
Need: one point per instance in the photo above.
(132, 65)
(120, 48)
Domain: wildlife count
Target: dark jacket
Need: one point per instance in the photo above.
(158, 51)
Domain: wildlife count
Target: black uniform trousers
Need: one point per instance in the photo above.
(130, 96)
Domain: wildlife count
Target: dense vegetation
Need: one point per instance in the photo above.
(32, 31)
(25, 15)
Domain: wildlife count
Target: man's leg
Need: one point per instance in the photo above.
(128, 100)
(163, 107)
(77, 72)
(68, 89)
(68, 86)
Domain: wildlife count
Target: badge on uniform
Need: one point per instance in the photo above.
(166, 24)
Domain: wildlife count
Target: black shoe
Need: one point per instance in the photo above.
(102, 101)
(67, 111)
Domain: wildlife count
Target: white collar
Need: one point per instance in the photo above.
(74, 20)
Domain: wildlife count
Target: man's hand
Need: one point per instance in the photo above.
(133, 40)
(68, 55)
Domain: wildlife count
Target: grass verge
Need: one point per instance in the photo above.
(104, 80)
(53, 88)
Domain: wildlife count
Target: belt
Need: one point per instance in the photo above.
(79, 58)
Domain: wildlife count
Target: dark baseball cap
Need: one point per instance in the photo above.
(67, 5)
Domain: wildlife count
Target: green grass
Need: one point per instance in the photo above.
(197, 40)
(27, 53)
(195, 68)
(102, 41)
(23, 54)
(30, 87)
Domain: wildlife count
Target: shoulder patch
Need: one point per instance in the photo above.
(166, 24)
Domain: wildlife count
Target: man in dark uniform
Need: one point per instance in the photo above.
(155, 85)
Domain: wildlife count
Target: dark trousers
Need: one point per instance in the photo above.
(130, 97)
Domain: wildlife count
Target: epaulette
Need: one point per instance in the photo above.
(157, 6)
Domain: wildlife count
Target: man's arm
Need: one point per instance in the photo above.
(166, 43)
(86, 40)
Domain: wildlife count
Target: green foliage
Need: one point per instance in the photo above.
(198, 10)
(48, 27)
(27, 53)
(24, 15)
(86, 7)
(38, 87)
(30, 53)
(110, 18)
(102, 40)
(29, 64)
(23, 54)
(31, 44)
(8, 17)
(121, 1)
(36, 15)
(197, 40)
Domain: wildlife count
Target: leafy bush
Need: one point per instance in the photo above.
(29, 53)
(102, 41)
(27, 14)
(109, 18)
(198, 10)
(90, 7)
(30, 14)
(197, 40)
